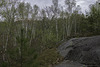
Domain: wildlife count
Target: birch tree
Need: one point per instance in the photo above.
(28, 10)
(35, 12)
(70, 4)
(21, 10)
(77, 18)
(8, 11)
(55, 11)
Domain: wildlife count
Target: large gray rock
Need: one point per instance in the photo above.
(84, 50)
(70, 64)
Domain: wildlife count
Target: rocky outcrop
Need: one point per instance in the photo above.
(67, 63)
(85, 50)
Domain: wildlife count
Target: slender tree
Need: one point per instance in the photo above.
(35, 12)
(70, 4)
(55, 11)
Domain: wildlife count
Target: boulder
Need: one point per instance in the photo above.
(85, 50)
(67, 63)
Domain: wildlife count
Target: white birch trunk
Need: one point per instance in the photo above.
(57, 29)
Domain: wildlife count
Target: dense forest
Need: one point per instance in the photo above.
(29, 35)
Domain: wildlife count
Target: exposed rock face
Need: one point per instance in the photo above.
(70, 64)
(84, 50)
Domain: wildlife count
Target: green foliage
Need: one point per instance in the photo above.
(4, 64)
(94, 18)
(48, 57)
(33, 42)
